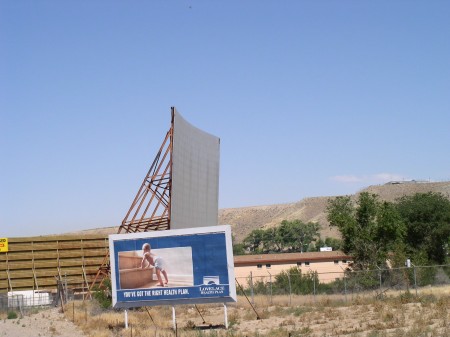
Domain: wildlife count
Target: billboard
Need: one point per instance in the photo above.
(3, 245)
(182, 266)
(195, 176)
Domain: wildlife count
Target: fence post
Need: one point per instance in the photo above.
(345, 284)
(314, 287)
(415, 278)
(379, 277)
(65, 288)
(270, 281)
(290, 288)
(314, 283)
(251, 288)
(345, 287)
(381, 285)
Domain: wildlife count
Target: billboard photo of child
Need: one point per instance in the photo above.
(151, 268)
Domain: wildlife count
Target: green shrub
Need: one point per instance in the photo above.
(103, 296)
(300, 283)
(12, 315)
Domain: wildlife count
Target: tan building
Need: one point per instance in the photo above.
(328, 265)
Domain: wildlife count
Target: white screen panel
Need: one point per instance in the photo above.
(195, 176)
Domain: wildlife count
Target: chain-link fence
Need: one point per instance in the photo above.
(24, 301)
(288, 287)
(346, 285)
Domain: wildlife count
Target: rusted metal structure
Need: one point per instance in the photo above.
(195, 181)
(150, 209)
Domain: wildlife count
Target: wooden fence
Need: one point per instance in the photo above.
(35, 263)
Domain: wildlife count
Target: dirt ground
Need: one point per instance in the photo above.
(46, 323)
(396, 316)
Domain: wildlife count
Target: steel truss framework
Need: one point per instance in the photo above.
(150, 209)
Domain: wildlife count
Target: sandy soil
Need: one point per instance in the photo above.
(46, 323)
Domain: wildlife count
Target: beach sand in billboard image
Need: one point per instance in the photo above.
(138, 272)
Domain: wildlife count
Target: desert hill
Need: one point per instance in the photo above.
(245, 219)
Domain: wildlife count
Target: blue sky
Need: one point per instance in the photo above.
(309, 98)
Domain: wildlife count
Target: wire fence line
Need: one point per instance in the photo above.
(347, 284)
(286, 284)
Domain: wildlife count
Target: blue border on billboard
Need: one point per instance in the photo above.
(211, 267)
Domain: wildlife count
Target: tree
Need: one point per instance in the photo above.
(238, 248)
(271, 241)
(253, 241)
(427, 218)
(369, 228)
(341, 213)
(334, 243)
(290, 236)
(297, 235)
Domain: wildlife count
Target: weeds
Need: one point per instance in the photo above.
(402, 315)
(233, 319)
(407, 297)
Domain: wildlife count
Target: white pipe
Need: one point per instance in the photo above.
(174, 319)
(225, 313)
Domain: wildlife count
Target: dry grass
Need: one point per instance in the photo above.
(398, 314)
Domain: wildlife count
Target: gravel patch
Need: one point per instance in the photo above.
(46, 323)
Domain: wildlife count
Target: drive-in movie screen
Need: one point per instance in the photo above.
(172, 267)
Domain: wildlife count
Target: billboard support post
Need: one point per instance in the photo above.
(126, 319)
(225, 313)
(174, 319)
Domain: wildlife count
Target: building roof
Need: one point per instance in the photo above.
(290, 257)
